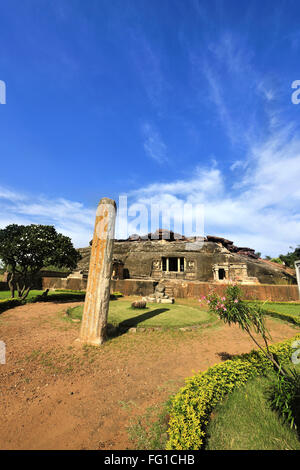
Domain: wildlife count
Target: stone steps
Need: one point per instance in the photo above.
(142, 277)
(169, 291)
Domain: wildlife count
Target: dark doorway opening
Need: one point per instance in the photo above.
(221, 274)
(173, 264)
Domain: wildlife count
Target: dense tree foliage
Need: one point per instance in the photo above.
(25, 249)
(288, 259)
(291, 257)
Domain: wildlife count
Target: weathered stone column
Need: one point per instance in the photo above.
(94, 319)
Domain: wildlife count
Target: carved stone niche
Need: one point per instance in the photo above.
(220, 271)
(117, 269)
(226, 272)
(190, 265)
(238, 271)
(156, 265)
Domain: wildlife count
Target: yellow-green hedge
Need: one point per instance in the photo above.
(191, 407)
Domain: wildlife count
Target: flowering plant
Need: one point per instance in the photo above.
(233, 310)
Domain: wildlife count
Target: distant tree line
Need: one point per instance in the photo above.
(288, 259)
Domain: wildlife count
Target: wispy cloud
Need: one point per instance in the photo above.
(69, 217)
(204, 182)
(8, 195)
(154, 145)
(237, 91)
(266, 90)
(219, 102)
(261, 212)
(148, 66)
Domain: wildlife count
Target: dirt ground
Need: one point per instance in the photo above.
(56, 394)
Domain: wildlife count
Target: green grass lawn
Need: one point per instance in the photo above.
(53, 296)
(155, 315)
(289, 309)
(246, 421)
(33, 293)
(283, 310)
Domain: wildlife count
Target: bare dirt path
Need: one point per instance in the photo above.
(58, 395)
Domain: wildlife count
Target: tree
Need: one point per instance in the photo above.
(25, 249)
(277, 260)
(290, 258)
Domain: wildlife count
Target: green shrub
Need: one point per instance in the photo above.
(192, 406)
(118, 294)
(276, 260)
(115, 295)
(285, 397)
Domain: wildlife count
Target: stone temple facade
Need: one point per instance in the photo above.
(168, 256)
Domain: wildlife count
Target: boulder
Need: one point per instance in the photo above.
(139, 304)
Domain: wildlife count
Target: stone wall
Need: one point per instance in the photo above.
(279, 293)
(133, 286)
(38, 282)
(45, 273)
(64, 283)
(182, 289)
(126, 286)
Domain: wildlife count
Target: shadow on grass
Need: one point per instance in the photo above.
(63, 297)
(58, 298)
(124, 326)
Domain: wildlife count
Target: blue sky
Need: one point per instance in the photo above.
(166, 101)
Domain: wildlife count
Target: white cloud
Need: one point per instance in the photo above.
(204, 182)
(261, 212)
(10, 195)
(69, 217)
(154, 146)
(266, 91)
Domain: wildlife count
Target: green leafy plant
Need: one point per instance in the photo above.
(118, 294)
(249, 317)
(290, 258)
(285, 397)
